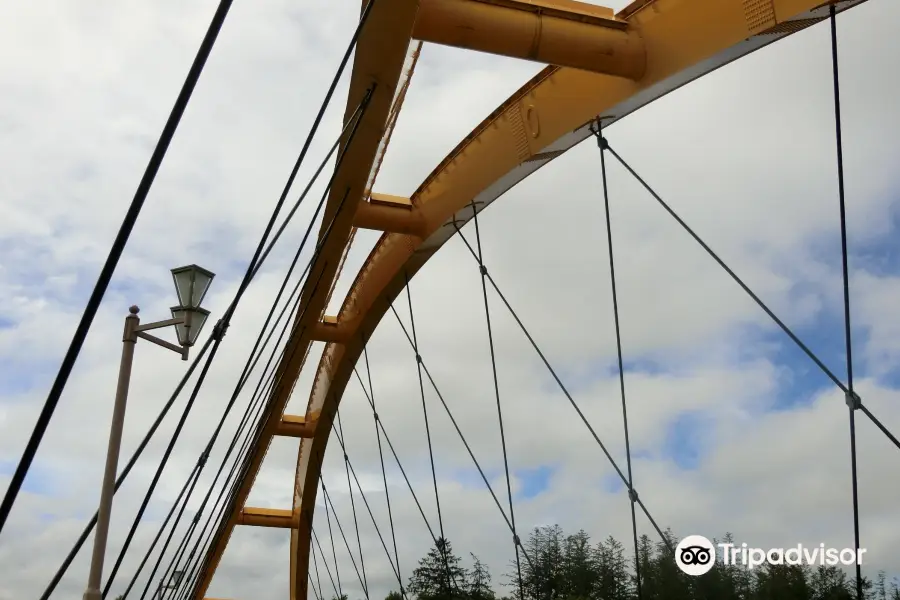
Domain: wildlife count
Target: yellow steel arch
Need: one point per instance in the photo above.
(682, 40)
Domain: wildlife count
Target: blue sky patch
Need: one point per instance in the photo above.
(534, 481)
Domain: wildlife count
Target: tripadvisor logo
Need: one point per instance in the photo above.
(695, 555)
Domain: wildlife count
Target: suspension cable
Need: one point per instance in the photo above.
(359, 113)
(353, 507)
(355, 120)
(232, 496)
(112, 260)
(193, 479)
(387, 493)
(439, 544)
(621, 363)
(328, 501)
(131, 462)
(463, 438)
(666, 540)
(487, 313)
(325, 562)
(727, 269)
(262, 390)
(437, 497)
(387, 552)
(851, 395)
(168, 451)
(318, 579)
(337, 571)
(313, 586)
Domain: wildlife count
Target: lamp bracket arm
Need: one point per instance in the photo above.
(159, 324)
(159, 342)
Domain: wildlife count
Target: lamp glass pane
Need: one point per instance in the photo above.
(183, 278)
(198, 318)
(202, 279)
(179, 312)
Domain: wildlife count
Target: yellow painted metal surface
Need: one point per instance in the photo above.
(683, 39)
(548, 34)
(381, 51)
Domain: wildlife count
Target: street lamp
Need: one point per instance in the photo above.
(191, 284)
(174, 582)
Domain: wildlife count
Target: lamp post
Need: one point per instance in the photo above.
(174, 581)
(191, 284)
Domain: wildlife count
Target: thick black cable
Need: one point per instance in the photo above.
(328, 501)
(247, 368)
(325, 563)
(168, 451)
(337, 571)
(437, 496)
(353, 507)
(878, 423)
(188, 485)
(450, 579)
(179, 552)
(233, 495)
(362, 21)
(112, 260)
(621, 363)
(565, 391)
(190, 482)
(727, 269)
(387, 552)
(165, 546)
(193, 560)
(313, 586)
(387, 493)
(256, 405)
(251, 363)
(131, 462)
(487, 313)
(319, 579)
(357, 116)
(845, 272)
(463, 438)
(261, 420)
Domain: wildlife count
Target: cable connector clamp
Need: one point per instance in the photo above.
(219, 330)
(853, 400)
(633, 495)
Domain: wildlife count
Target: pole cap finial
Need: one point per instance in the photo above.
(133, 309)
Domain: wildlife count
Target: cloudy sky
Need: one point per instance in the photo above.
(732, 428)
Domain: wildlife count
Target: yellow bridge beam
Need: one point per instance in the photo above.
(295, 426)
(554, 32)
(267, 517)
(381, 50)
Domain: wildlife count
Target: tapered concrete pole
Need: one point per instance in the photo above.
(129, 338)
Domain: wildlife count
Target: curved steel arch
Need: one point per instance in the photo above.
(546, 117)
(684, 40)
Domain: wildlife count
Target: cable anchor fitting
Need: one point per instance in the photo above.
(853, 400)
(632, 494)
(219, 330)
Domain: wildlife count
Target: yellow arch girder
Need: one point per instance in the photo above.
(683, 40)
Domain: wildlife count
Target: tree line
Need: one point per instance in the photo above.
(572, 567)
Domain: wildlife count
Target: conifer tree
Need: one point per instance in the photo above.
(439, 575)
